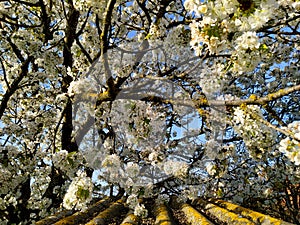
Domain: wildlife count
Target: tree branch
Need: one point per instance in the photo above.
(15, 85)
(254, 100)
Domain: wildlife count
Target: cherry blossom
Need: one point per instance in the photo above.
(150, 99)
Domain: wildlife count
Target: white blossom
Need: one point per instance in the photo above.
(112, 161)
(247, 40)
(176, 168)
(248, 125)
(291, 147)
(211, 168)
(132, 169)
(141, 211)
(79, 193)
(132, 200)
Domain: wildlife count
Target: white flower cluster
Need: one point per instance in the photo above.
(257, 137)
(5, 176)
(126, 175)
(229, 26)
(211, 148)
(213, 29)
(41, 180)
(213, 83)
(112, 164)
(81, 87)
(247, 41)
(209, 32)
(132, 200)
(139, 209)
(67, 162)
(79, 193)
(221, 8)
(211, 168)
(139, 120)
(98, 6)
(111, 161)
(157, 30)
(259, 17)
(162, 199)
(246, 57)
(291, 147)
(177, 40)
(132, 169)
(192, 192)
(176, 168)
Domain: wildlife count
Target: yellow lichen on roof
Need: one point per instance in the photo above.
(254, 216)
(53, 218)
(130, 219)
(112, 212)
(193, 216)
(200, 211)
(82, 216)
(162, 215)
(226, 216)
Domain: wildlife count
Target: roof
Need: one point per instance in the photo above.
(114, 211)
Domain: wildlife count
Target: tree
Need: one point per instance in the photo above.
(149, 98)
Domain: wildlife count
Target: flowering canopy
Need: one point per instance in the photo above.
(151, 98)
